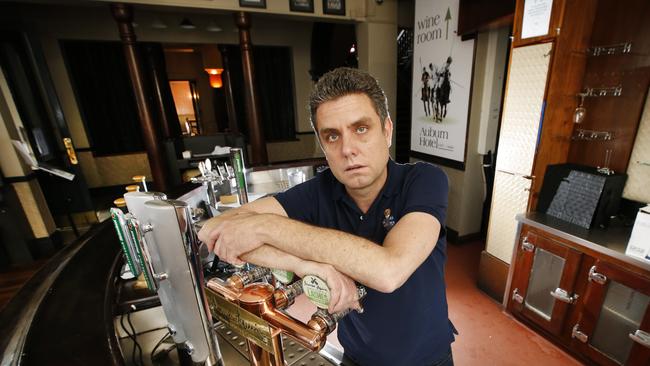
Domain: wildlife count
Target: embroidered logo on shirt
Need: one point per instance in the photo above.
(389, 221)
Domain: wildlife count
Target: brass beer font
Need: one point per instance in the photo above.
(254, 309)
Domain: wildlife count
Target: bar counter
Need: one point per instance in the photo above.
(66, 314)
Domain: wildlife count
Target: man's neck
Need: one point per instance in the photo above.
(366, 196)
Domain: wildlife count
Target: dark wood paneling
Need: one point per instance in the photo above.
(492, 276)
(555, 27)
(477, 15)
(564, 82)
(616, 23)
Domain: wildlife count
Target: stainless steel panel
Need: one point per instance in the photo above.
(173, 238)
(510, 198)
(522, 108)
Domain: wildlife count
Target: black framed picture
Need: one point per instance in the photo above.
(305, 6)
(253, 3)
(334, 7)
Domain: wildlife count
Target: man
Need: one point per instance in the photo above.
(367, 219)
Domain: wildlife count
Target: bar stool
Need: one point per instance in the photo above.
(141, 179)
(133, 188)
(120, 202)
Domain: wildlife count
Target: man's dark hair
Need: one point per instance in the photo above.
(345, 81)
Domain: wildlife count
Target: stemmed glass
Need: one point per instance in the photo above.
(580, 112)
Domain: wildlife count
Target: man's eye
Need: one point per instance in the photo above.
(362, 129)
(332, 138)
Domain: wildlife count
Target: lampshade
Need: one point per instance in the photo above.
(187, 24)
(215, 77)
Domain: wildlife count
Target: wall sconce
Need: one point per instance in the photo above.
(215, 77)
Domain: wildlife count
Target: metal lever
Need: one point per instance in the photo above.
(594, 276)
(516, 297)
(526, 245)
(577, 334)
(641, 337)
(563, 295)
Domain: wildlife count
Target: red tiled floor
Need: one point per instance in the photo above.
(488, 336)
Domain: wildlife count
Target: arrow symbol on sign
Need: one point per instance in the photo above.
(447, 19)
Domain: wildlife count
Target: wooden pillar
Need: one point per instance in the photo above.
(255, 130)
(227, 88)
(123, 14)
(156, 62)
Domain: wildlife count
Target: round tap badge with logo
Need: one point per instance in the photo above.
(316, 290)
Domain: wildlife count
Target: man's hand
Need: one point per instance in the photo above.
(234, 235)
(343, 290)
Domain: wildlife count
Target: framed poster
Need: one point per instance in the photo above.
(253, 3)
(305, 6)
(442, 82)
(334, 7)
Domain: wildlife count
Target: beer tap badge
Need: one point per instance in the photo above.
(316, 290)
(389, 221)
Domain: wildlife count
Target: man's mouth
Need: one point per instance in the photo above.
(353, 168)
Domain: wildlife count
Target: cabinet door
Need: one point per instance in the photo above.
(614, 322)
(542, 288)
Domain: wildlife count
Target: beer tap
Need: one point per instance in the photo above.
(209, 179)
(255, 310)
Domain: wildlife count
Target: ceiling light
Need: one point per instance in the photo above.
(158, 24)
(213, 27)
(187, 24)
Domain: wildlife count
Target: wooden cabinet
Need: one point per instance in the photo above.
(614, 318)
(595, 305)
(543, 285)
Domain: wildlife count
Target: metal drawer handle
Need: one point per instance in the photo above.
(641, 337)
(577, 334)
(526, 245)
(516, 297)
(563, 295)
(594, 276)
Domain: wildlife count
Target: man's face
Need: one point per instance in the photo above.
(355, 145)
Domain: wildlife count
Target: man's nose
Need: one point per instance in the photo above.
(348, 145)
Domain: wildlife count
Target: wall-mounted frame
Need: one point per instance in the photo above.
(442, 83)
(304, 6)
(334, 7)
(253, 3)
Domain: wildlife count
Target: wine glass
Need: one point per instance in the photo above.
(580, 112)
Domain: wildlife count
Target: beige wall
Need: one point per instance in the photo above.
(377, 45)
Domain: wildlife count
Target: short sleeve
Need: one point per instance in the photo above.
(427, 188)
(301, 202)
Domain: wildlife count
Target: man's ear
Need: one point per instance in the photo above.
(388, 131)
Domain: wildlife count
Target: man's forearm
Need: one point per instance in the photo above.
(271, 257)
(361, 259)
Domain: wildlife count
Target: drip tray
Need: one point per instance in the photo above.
(235, 350)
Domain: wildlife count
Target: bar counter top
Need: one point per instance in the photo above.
(610, 241)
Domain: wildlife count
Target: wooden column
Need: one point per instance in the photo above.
(123, 14)
(227, 88)
(170, 128)
(255, 130)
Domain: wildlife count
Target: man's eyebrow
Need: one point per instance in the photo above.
(328, 130)
(361, 121)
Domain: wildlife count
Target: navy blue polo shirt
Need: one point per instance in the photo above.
(409, 326)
